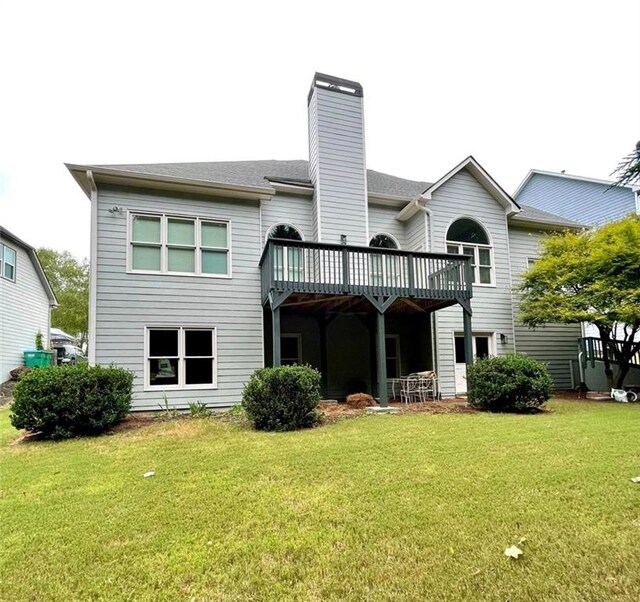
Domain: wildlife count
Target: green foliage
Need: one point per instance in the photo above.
(591, 276)
(508, 383)
(197, 409)
(63, 402)
(39, 341)
(69, 279)
(283, 398)
(628, 170)
(166, 411)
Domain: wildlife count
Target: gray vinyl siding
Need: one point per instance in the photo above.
(337, 165)
(584, 202)
(289, 209)
(313, 163)
(554, 344)
(126, 303)
(25, 311)
(416, 232)
(382, 220)
(464, 196)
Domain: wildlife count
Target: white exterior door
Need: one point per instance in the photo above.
(482, 347)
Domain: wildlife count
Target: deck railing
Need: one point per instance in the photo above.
(593, 350)
(305, 267)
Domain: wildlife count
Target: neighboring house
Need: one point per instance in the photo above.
(203, 272)
(585, 200)
(26, 299)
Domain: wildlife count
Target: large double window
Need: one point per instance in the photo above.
(180, 358)
(467, 237)
(179, 245)
(7, 263)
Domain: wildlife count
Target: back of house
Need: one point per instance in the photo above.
(203, 272)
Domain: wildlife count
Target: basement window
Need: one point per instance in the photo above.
(180, 358)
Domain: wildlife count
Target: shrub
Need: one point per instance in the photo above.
(67, 401)
(508, 383)
(283, 398)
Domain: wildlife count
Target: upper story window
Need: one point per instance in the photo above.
(178, 245)
(7, 263)
(383, 241)
(289, 262)
(467, 237)
(384, 269)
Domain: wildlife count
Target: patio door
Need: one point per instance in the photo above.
(482, 347)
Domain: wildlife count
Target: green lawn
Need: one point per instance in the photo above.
(411, 507)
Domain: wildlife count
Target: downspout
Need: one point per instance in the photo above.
(93, 269)
(428, 215)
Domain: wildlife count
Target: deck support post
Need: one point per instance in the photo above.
(468, 336)
(382, 361)
(275, 325)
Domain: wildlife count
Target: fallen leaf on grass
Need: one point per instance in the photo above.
(513, 552)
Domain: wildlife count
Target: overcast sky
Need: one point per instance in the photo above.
(520, 85)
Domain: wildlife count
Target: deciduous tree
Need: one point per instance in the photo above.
(592, 276)
(69, 279)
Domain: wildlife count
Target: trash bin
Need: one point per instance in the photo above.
(36, 358)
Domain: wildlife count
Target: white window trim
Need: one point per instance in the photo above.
(3, 262)
(491, 335)
(181, 386)
(298, 337)
(386, 279)
(476, 257)
(164, 246)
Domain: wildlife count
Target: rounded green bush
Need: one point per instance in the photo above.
(68, 401)
(508, 383)
(283, 398)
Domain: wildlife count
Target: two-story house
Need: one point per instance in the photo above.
(26, 299)
(203, 272)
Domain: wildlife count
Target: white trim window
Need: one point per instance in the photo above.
(467, 237)
(8, 258)
(168, 244)
(288, 262)
(384, 270)
(180, 358)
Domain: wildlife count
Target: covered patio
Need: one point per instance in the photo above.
(347, 303)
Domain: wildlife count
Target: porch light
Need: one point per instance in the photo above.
(503, 339)
(343, 239)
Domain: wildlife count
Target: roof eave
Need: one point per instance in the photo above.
(547, 225)
(139, 180)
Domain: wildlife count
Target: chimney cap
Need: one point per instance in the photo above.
(335, 84)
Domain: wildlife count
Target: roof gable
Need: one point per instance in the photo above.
(33, 255)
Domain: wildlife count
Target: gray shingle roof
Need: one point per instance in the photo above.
(256, 173)
(537, 215)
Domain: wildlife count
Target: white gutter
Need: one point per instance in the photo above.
(93, 268)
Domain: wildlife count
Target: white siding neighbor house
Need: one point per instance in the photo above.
(26, 299)
(203, 272)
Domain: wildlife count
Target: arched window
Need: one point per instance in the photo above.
(288, 261)
(284, 231)
(467, 237)
(384, 270)
(383, 241)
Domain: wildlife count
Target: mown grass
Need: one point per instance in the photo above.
(412, 507)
